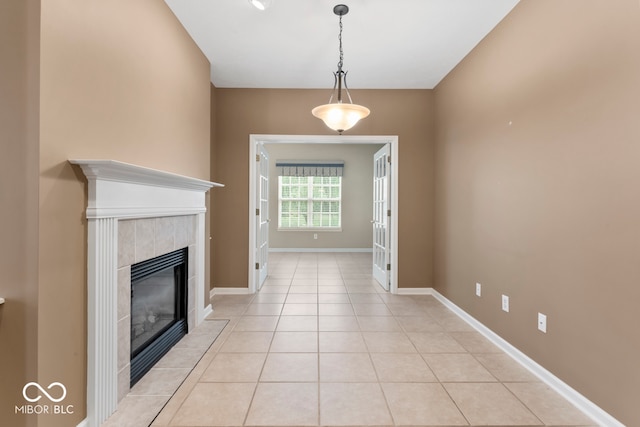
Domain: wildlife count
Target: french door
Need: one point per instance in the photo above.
(262, 215)
(381, 213)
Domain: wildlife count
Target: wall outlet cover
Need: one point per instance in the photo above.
(478, 289)
(542, 322)
(505, 303)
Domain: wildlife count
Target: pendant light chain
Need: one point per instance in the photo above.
(341, 75)
(340, 43)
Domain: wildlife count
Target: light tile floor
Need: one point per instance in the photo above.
(323, 344)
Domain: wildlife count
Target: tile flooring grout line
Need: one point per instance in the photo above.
(264, 362)
(454, 401)
(319, 411)
(523, 404)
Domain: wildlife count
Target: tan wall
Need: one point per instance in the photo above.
(357, 195)
(119, 80)
(241, 112)
(537, 190)
(19, 46)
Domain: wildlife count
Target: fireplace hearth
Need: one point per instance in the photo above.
(158, 309)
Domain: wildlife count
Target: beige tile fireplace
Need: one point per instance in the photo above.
(134, 214)
(140, 240)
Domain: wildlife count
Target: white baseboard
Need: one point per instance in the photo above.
(341, 250)
(589, 408)
(84, 423)
(229, 291)
(206, 312)
(414, 291)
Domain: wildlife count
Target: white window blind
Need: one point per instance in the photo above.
(309, 202)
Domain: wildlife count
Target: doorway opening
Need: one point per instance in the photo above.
(257, 247)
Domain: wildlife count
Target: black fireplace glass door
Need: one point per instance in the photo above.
(153, 307)
(158, 309)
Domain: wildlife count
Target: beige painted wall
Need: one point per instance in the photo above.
(19, 47)
(537, 190)
(119, 80)
(357, 195)
(241, 112)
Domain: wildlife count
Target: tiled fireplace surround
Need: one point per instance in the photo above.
(140, 240)
(133, 214)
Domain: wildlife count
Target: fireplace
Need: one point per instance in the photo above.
(133, 214)
(158, 309)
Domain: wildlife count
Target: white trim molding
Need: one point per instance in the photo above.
(590, 409)
(415, 291)
(208, 310)
(149, 192)
(118, 191)
(230, 291)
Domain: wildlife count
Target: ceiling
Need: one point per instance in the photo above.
(392, 44)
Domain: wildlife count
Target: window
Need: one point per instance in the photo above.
(309, 202)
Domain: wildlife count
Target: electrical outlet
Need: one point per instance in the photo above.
(505, 303)
(478, 289)
(315, 236)
(542, 322)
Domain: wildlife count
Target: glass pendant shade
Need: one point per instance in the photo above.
(340, 116)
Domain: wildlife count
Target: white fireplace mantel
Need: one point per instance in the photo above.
(118, 191)
(123, 190)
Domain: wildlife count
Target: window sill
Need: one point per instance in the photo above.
(315, 230)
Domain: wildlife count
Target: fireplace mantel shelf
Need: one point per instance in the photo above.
(125, 191)
(113, 170)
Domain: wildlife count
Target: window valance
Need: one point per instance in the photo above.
(310, 168)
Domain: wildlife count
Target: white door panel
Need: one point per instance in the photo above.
(380, 222)
(262, 215)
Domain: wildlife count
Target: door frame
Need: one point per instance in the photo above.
(255, 139)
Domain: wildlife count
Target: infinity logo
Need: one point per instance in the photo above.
(43, 391)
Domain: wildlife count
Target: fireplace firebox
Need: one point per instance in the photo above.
(158, 309)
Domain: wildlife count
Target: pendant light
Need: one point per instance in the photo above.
(339, 115)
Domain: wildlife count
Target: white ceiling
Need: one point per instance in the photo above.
(392, 44)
